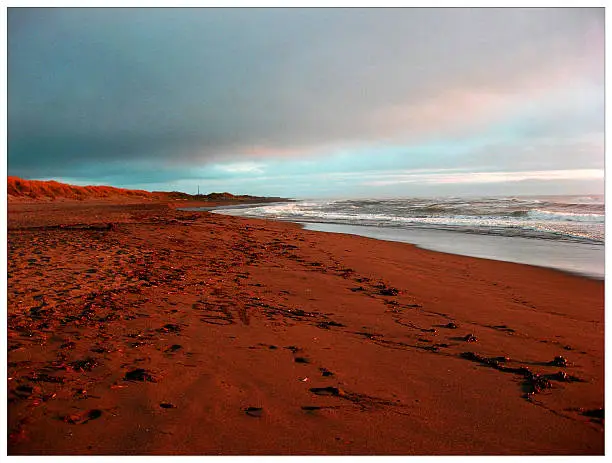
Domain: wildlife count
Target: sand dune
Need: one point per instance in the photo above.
(21, 190)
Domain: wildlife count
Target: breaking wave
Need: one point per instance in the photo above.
(567, 218)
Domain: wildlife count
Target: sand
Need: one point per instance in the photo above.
(141, 329)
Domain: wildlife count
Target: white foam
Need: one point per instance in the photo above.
(482, 215)
(567, 216)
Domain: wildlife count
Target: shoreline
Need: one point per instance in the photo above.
(314, 226)
(476, 245)
(200, 334)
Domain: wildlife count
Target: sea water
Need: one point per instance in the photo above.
(561, 232)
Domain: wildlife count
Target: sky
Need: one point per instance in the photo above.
(310, 103)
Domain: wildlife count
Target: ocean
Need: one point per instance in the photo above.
(561, 232)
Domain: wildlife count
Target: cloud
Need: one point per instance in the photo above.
(488, 177)
(156, 95)
(242, 167)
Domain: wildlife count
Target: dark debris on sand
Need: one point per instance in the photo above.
(559, 361)
(45, 378)
(595, 413)
(326, 324)
(140, 374)
(84, 365)
(534, 382)
(385, 290)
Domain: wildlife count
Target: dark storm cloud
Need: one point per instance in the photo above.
(103, 86)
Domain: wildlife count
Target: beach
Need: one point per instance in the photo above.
(142, 329)
(561, 232)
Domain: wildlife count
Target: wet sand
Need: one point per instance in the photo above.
(142, 329)
(571, 257)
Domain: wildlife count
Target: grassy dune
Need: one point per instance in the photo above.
(19, 189)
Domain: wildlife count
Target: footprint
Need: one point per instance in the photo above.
(255, 412)
(328, 391)
(173, 348)
(314, 408)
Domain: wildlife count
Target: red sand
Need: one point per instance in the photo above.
(155, 335)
